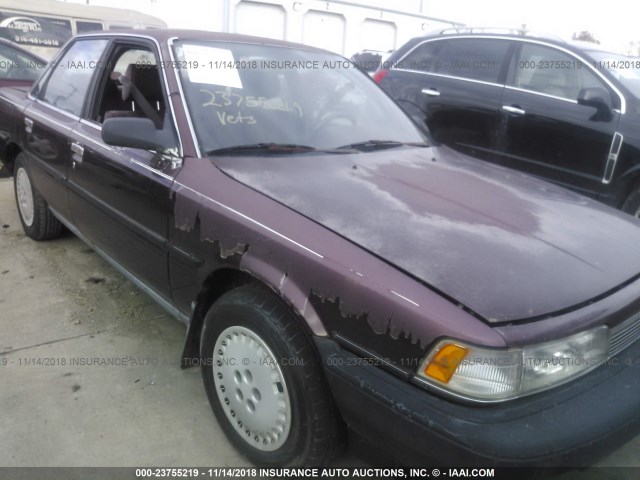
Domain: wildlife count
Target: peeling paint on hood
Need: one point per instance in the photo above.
(505, 245)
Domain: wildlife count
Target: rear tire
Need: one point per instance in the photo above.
(264, 381)
(37, 220)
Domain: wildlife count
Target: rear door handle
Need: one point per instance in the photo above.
(432, 92)
(515, 110)
(78, 152)
(28, 125)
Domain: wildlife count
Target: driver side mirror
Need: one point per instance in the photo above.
(138, 132)
(598, 98)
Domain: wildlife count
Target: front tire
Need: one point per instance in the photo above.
(37, 220)
(264, 381)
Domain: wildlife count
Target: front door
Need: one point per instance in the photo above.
(545, 131)
(120, 197)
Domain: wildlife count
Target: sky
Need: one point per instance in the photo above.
(614, 22)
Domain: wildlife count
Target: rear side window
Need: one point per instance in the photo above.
(69, 82)
(552, 72)
(473, 58)
(423, 58)
(83, 27)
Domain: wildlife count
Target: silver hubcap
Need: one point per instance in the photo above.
(25, 196)
(251, 388)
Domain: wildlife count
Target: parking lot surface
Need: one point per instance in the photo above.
(89, 367)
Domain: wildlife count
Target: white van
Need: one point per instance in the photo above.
(43, 26)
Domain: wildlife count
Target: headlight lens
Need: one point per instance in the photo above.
(491, 374)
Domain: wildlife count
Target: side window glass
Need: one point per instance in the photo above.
(139, 66)
(550, 71)
(473, 58)
(69, 82)
(423, 58)
(84, 27)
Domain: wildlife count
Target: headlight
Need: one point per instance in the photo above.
(491, 374)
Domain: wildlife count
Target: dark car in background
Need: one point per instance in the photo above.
(565, 111)
(331, 264)
(18, 67)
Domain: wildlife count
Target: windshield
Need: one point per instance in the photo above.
(248, 94)
(625, 69)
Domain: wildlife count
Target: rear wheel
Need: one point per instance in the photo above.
(37, 220)
(264, 382)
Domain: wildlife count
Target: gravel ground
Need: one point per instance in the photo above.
(61, 307)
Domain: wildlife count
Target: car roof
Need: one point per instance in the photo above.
(575, 45)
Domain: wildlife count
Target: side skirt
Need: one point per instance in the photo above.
(159, 298)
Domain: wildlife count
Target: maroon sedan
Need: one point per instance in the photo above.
(332, 264)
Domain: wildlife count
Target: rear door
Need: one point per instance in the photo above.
(546, 132)
(458, 83)
(50, 120)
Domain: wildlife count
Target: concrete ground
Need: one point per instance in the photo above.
(61, 306)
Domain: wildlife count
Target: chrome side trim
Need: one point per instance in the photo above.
(89, 123)
(612, 159)
(159, 298)
(130, 160)
(623, 101)
(33, 113)
(443, 75)
(152, 170)
(255, 222)
(533, 92)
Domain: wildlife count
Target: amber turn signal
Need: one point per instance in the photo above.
(444, 363)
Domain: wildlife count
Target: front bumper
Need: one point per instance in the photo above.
(573, 425)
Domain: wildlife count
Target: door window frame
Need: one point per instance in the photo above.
(510, 56)
(572, 57)
(38, 91)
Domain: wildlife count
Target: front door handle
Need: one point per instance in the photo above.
(431, 92)
(28, 125)
(78, 152)
(514, 110)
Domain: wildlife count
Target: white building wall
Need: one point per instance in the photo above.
(342, 26)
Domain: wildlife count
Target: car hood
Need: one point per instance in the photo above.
(501, 243)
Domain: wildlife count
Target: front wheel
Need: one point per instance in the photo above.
(37, 220)
(264, 382)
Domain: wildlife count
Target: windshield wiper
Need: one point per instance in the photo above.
(271, 148)
(381, 144)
